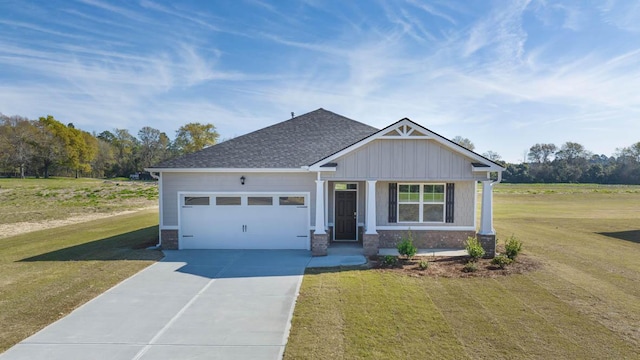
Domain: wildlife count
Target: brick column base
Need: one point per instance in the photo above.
(319, 243)
(488, 243)
(370, 244)
(169, 239)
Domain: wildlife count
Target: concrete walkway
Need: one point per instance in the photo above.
(195, 304)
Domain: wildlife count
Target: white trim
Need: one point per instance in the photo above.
(320, 219)
(475, 204)
(428, 134)
(169, 227)
(371, 208)
(434, 228)
(160, 202)
(334, 207)
(231, 170)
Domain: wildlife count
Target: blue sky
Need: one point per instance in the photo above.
(506, 74)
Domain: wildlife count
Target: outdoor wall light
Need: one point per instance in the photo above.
(242, 179)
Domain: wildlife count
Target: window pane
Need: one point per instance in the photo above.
(409, 193)
(433, 212)
(291, 200)
(409, 212)
(199, 200)
(341, 187)
(433, 193)
(227, 200)
(260, 200)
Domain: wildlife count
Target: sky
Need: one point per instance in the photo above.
(505, 74)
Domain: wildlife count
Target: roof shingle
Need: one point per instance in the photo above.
(294, 143)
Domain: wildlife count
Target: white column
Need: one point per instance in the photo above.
(320, 225)
(371, 207)
(486, 217)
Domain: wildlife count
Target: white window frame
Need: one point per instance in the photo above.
(421, 204)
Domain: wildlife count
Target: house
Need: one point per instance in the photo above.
(321, 178)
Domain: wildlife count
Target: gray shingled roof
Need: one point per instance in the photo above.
(294, 143)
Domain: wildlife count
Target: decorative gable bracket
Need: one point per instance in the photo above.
(403, 130)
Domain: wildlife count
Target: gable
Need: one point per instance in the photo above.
(406, 129)
(391, 158)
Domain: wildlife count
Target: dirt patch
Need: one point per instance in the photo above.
(452, 267)
(8, 230)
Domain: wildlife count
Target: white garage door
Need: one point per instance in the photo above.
(244, 221)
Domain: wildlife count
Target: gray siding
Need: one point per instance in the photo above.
(172, 183)
(464, 201)
(389, 159)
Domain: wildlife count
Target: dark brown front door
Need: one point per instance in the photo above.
(345, 215)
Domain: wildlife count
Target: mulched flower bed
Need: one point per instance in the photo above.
(451, 267)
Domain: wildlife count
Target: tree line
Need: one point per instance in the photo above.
(47, 147)
(569, 163)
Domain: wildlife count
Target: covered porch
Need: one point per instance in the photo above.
(353, 217)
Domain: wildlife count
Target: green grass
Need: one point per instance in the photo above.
(583, 303)
(58, 198)
(44, 275)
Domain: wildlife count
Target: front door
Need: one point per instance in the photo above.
(345, 220)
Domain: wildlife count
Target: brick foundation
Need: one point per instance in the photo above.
(488, 243)
(426, 239)
(169, 239)
(319, 243)
(370, 244)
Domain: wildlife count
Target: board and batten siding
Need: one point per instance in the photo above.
(172, 183)
(464, 205)
(390, 159)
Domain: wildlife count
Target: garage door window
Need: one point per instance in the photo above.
(196, 200)
(291, 200)
(260, 200)
(227, 200)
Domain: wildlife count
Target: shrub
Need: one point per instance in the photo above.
(512, 247)
(423, 265)
(502, 261)
(470, 267)
(389, 260)
(474, 249)
(406, 247)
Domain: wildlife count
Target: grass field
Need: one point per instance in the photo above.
(46, 274)
(584, 303)
(32, 200)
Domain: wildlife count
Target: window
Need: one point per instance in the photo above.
(260, 200)
(341, 186)
(421, 202)
(227, 200)
(196, 200)
(291, 200)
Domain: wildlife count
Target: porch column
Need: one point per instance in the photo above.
(320, 239)
(320, 207)
(371, 240)
(371, 207)
(486, 217)
(487, 235)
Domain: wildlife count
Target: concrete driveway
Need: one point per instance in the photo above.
(195, 304)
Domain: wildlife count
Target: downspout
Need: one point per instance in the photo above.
(156, 175)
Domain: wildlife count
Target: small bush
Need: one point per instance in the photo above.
(406, 247)
(423, 265)
(502, 261)
(389, 260)
(512, 247)
(474, 249)
(470, 267)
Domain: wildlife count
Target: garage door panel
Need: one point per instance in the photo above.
(265, 224)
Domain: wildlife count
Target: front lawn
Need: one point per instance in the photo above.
(44, 275)
(584, 301)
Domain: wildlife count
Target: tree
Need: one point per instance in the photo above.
(541, 153)
(49, 149)
(572, 152)
(15, 142)
(154, 146)
(193, 137)
(126, 151)
(493, 156)
(464, 142)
